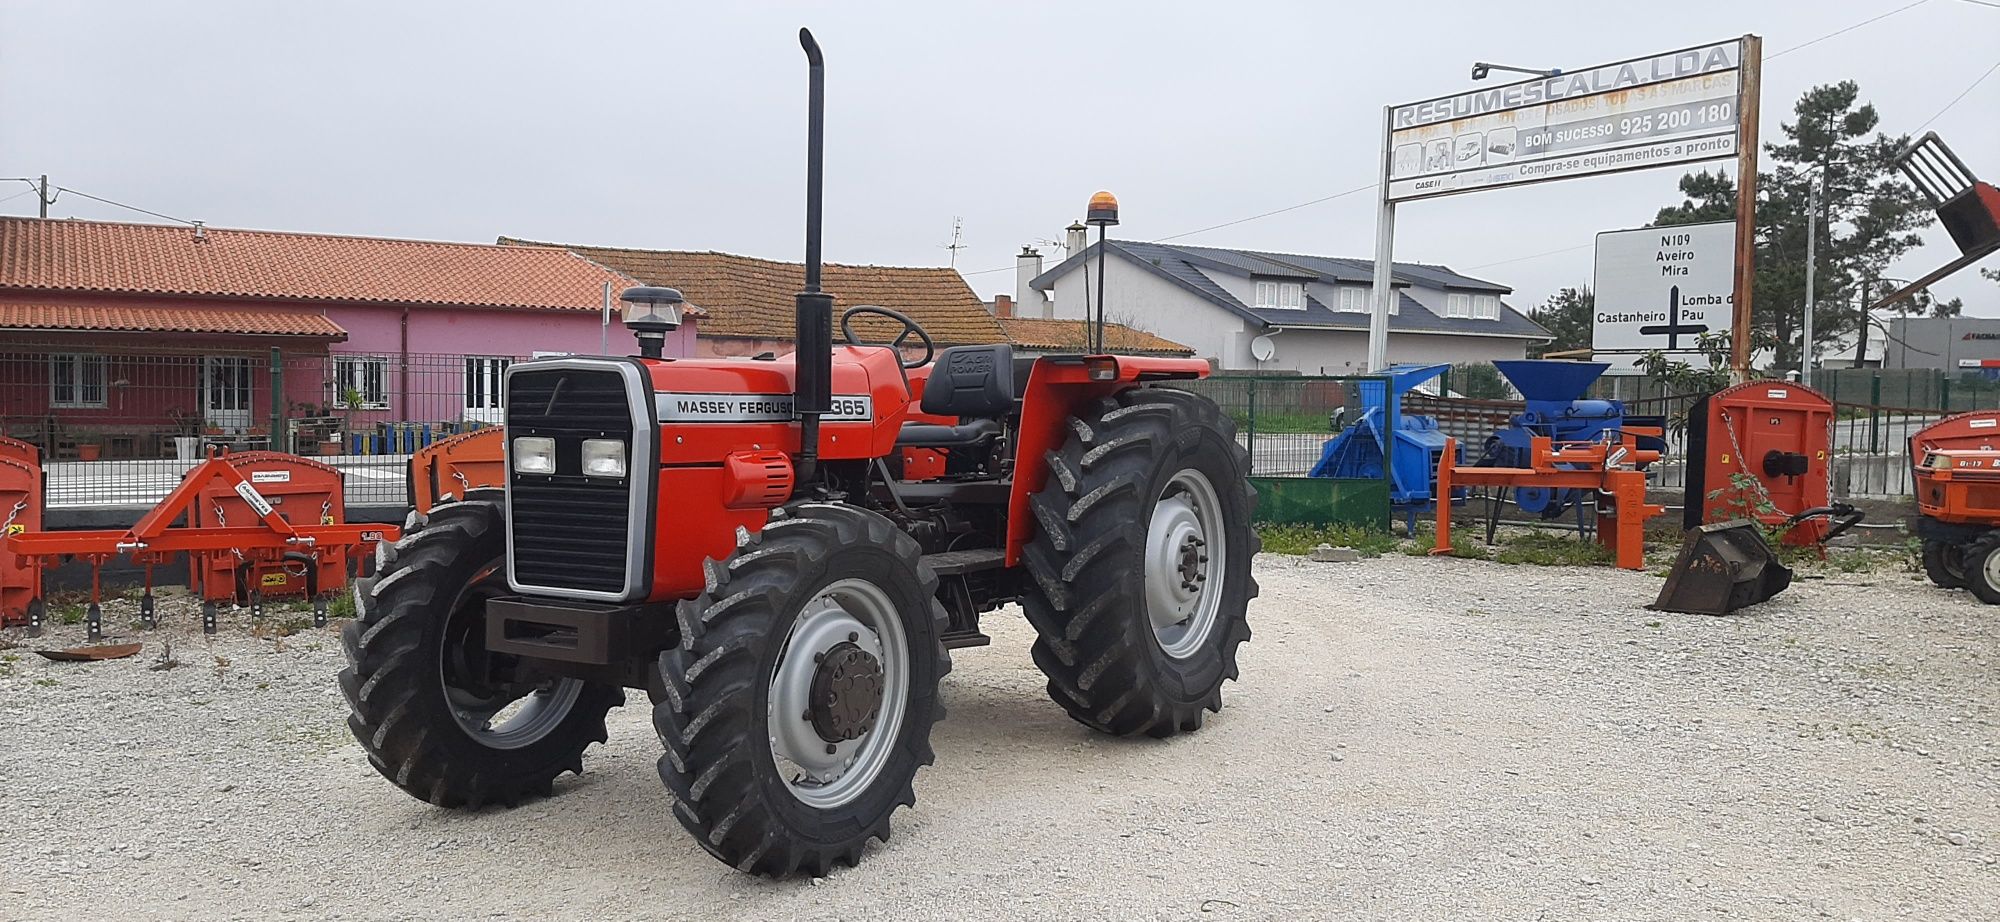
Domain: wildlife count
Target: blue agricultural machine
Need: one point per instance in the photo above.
(1412, 444)
(1556, 408)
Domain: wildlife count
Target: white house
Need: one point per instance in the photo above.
(1314, 309)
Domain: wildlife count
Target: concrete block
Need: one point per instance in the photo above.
(1327, 553)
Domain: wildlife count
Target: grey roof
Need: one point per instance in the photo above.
(1184, 265)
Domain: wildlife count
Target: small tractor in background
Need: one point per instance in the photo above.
(768, 549)
(1952, 475)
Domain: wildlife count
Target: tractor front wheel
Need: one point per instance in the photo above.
(1944, 563)
(442, 718)
(1980, 563)
(798, 706)
(1141, 563)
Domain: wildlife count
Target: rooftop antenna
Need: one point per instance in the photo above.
(954, 246)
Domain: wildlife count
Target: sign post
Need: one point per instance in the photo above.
(1746, 207)
(1686, 106)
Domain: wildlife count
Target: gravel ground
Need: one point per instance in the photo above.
(1413, 739)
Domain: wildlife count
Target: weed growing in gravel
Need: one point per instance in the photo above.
(1301, 539)
(48, 683)
(1551, 549)
(282, 627)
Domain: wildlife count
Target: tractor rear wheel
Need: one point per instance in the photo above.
(439, 716)
(1944, 563)
(798, 706)
(1140, 563)
(1980, 562)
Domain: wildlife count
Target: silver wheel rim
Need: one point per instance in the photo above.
(1186, 550)
(496, 720)
(1990, 568)
(848, 611)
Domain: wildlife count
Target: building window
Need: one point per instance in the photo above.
(1458, 304)
(1290, 296)
(1360, 299)
(1486, 307)
(76, 380)
(361, 382)
(483, 378)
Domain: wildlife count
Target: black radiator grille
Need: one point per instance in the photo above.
(570, 531)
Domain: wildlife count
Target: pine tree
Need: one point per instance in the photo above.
(1871, 217)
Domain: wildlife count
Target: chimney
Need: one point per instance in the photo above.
(1077, 240)
(1003, 306)
(1027, 266)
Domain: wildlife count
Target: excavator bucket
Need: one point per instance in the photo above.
(1722, 568)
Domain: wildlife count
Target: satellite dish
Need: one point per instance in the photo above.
(1262, 348)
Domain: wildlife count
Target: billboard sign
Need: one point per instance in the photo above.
(1679, 107)
(1662, 287)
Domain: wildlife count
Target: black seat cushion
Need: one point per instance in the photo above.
(932, 435)
(971, 381)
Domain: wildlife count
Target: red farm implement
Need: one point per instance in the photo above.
(253, 521)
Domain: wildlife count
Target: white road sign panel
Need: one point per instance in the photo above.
(1662, 287)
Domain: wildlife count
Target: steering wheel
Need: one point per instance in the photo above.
(909, 327)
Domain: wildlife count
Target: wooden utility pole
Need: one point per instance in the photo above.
(1749, 78)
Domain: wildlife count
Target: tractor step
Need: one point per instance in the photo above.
(960, 639)
(959, 563)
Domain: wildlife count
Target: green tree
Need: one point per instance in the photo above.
(1479, 381)
(1871, 216)
(1567, 315)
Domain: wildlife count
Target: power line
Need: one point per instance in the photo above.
(1372, 185)
(1839, 32)
(1961, 95)
(62, 189)
(18, 195)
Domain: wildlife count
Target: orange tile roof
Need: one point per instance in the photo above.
(746, 296)
(99, 256)
(1068, 335)
(123, 319)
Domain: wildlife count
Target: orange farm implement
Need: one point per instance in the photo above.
(253, 520)
(1608, 466)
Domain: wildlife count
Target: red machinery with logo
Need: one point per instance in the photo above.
(781, 551)
(258, 535)
(20, 511)
(300, 492)
(1951, 479)
(1764, 450)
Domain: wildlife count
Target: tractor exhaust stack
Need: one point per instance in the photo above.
(812, 383)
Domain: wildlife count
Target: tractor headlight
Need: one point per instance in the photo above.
(603, 458)
(534, 455)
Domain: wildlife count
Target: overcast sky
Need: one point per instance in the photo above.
(681, 125)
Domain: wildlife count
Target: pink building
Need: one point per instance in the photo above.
(115, 338)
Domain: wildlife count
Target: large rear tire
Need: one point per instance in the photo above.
(1944, 563)
(440, 717)
(799, 704)
(1141, 563)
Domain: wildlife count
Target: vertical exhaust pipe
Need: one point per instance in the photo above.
(812, 383)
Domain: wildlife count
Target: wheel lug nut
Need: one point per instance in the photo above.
(831, 749)
(852, 636)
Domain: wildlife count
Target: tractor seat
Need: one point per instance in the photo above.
(973, 383)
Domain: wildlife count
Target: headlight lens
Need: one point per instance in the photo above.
(603, 458)
(534, 455)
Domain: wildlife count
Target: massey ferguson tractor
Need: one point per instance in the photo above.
(780, 551)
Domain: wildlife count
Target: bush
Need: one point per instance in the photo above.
(1301, 539)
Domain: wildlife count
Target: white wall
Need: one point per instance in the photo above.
(1142, 300)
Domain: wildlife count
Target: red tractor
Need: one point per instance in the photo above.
(770, 549)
